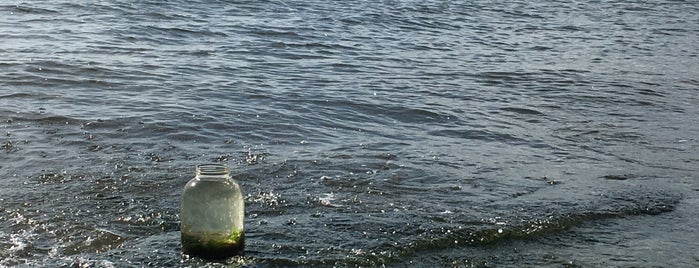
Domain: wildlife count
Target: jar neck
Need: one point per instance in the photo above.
(213, 172)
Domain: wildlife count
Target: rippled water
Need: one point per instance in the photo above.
(364, 133)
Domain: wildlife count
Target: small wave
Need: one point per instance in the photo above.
(28, 9)
(500, 232)
(46, 118)
(16, 95)
(441, 235)
(277, 33)
(504, 77)
(524, 111)
(474, 134)
(97, 241)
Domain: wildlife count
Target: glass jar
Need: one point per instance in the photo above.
(211, 214)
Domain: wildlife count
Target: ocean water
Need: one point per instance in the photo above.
(363, 133)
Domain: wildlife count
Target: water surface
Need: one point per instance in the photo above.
(446, 133)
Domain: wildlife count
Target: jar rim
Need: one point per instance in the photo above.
(212, 169)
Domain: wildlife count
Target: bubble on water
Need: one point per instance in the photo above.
(222, 158)
(18, 242)
(54, 177)
(269, 199)
(357, 252)
(53, 252)
(253, 158)
(9, 146)
(156, 158)
(327, 199)
(82, 262)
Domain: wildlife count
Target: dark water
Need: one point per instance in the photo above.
(364, 133)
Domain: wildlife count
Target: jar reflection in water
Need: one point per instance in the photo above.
(211, 214)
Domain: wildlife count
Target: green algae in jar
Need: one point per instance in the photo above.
(211, 214)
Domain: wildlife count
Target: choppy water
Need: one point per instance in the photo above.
(364, 133)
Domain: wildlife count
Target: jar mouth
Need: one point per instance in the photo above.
(212, 169)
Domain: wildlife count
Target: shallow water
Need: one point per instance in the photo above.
(524, 133)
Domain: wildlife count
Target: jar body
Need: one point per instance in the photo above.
(212, 214)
